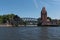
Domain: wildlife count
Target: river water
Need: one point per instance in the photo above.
(30, 33)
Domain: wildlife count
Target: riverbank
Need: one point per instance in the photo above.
(7, 25)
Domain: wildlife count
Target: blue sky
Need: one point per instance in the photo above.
(30, 8)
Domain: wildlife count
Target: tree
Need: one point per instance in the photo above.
(39, 21)
(1, 19)
(12, 19)
(17, 20)
(49, 18)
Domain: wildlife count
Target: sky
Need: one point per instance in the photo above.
(30, 8)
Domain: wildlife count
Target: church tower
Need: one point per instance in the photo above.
(44, 16)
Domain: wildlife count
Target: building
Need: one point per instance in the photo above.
(30, 21)
(47, 21)
(44, 16)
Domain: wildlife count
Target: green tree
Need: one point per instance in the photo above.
(1, 19)
(39, 21)
(49, 18)
(12, 19)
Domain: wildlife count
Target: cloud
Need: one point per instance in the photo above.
(50, 2)
(56, 0)
(45, 3)
(36, 4)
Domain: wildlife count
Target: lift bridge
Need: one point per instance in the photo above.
(30, 21)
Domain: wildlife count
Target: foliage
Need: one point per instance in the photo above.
(11, 18)
(39, 21)
(49, 18)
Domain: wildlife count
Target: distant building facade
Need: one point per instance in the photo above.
(46, 21)
(44, 16)
(30, 21)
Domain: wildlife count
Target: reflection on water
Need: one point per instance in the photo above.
(44, 33)
(30, 33)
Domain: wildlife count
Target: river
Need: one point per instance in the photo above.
(29, 33)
